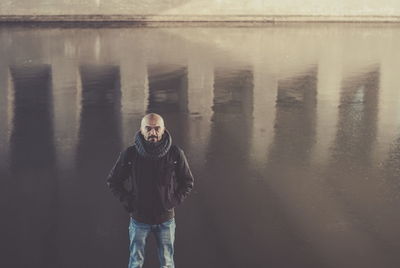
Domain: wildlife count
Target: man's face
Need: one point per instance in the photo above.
(152, 129)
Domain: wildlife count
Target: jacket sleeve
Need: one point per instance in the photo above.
(185, 178)
(115, 180)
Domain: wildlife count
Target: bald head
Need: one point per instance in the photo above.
(152, 127)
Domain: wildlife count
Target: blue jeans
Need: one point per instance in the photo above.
(165, 236)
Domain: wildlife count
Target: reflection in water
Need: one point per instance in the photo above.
(389, 103)
(287, 174)
(295, 120)
(265, 93)
(291, 135)
(33, 220)
(357, 119)
(200, 99)
(231, 122)
(351, 175)
(134, 95)
(168, 87)
(4, 118)
(66, 85)
(232, 118)
(328, 100)
(391, 174)
(98, 146)
(233, 91)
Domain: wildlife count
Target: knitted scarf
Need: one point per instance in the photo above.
(153, 149)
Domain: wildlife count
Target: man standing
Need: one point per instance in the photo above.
(160, 179)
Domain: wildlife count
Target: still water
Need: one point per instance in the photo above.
(292, 133)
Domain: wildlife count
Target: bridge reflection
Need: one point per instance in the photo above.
(290, 149)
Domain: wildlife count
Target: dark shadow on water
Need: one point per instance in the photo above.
(98, 146)
(32, 220)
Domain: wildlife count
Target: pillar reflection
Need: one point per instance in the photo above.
(34, 182)
(227, 165)
(168, 95)
(351, 174)
(98, 147)
(167, 88)
(295, 120)
(357, 123)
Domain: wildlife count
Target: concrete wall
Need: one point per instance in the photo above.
(198, 10)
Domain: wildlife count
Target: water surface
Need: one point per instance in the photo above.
(292, 133)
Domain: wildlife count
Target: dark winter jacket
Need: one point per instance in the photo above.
(150, 188)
